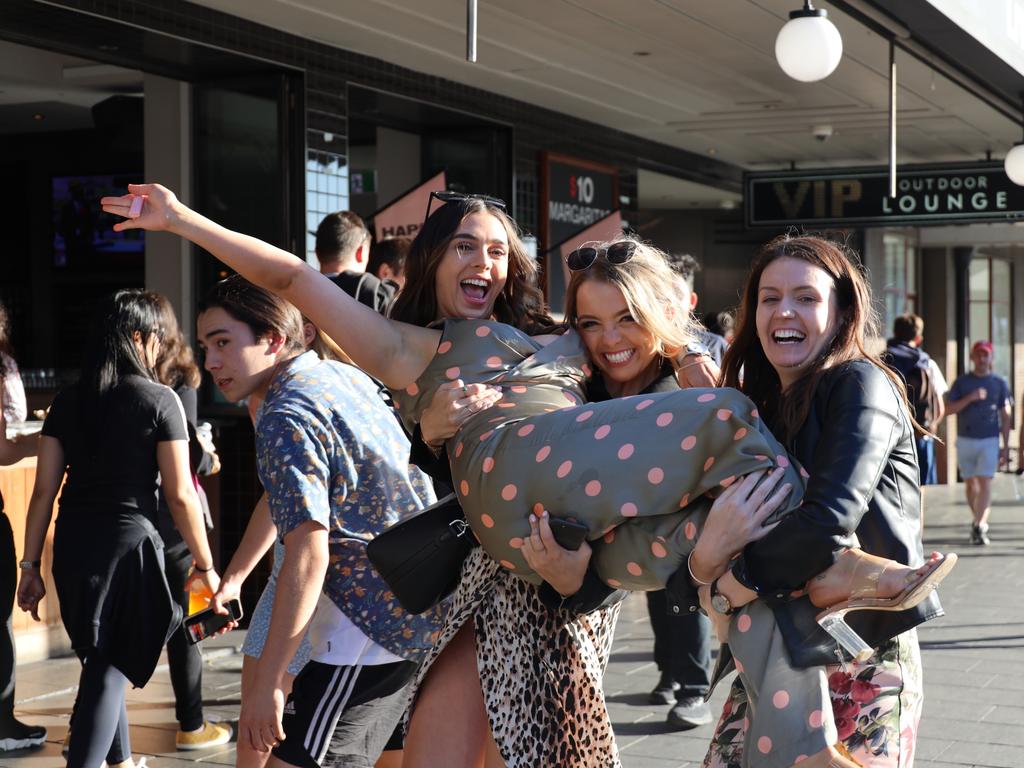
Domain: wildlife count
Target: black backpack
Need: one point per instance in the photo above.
(912, 365)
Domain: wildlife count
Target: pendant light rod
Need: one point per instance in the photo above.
(471, 31)
(892, 117)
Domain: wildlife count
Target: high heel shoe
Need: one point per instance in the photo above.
(833, 619)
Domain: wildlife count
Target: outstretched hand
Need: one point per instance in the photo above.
(157, 213)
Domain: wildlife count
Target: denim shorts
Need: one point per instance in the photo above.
(977, 456)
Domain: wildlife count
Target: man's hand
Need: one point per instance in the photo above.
(562, 568)
(259, 722)
(230, 589)
(980, 394)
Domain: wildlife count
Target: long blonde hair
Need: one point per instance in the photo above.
(648, 285)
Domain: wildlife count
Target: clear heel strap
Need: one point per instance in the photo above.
(835, 624)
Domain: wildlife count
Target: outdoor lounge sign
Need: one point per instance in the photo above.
(959, 194)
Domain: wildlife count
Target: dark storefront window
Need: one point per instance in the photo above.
(990, 313)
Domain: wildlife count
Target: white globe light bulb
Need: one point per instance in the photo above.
(808, 47)
(1014, 164)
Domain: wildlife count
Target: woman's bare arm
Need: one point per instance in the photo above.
(395, 353)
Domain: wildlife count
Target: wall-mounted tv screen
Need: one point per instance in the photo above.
(81, 230)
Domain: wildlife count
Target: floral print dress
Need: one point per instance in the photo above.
(876, 708)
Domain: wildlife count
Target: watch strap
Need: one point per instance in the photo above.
(26, 564)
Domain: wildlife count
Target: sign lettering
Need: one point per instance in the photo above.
(925, 195)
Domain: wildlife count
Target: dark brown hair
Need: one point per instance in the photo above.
(339, 234)
(907, 327)
(787, 411)
(175, 365)
(393, 251)
(265, 313)
(5, 336)
(520, 303)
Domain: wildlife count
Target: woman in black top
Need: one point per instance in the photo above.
(800, 344)
(112, 433)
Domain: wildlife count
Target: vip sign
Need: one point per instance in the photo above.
(925, 195)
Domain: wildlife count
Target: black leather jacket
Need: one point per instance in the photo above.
(858, 446)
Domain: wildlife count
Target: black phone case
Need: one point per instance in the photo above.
(568, 533)
(209, 622)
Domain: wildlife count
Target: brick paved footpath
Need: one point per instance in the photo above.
(973, 662)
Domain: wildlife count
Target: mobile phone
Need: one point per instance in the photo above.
(569, 534)
(204, 623)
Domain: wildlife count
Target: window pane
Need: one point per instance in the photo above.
(979, 283)
(1000, 280)
(977, 321)
(912, 269)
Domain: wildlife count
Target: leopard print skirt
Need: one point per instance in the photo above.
(540, 669)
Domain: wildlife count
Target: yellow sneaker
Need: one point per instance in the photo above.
(210, 735)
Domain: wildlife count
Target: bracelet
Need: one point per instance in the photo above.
(689, 567)
(195, 567)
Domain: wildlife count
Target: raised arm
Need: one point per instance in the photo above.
(395, 353)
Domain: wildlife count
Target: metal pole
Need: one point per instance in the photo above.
(892, 117)
(471, 31)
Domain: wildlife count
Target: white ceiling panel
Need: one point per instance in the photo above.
(708, 82)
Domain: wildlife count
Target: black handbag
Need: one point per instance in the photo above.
(421, 558)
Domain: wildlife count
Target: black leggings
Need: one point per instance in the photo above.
(184, 661)
(99, 729)
(8, 585)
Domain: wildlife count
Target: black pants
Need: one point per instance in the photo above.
(682, 646)
(8, 586)
(184, 661)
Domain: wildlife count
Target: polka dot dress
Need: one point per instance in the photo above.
(635, 470)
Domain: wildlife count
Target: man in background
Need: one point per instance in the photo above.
(387, 260)
(925, 386)
(982, 400)
(343, 250)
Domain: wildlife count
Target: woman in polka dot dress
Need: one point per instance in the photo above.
(635, 470)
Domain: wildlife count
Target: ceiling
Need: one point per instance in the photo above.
(44, 91)
(695, 74)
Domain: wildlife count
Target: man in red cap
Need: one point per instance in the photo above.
(981, 399)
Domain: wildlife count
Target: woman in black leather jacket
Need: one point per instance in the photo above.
(800, 347)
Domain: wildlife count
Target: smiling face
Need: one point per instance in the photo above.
(241, 364)
(623, 350)
(797, 316)
(473, 269)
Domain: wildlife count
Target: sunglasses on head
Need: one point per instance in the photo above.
(458, 197)
(584, 258)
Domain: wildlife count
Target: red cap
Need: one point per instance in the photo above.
(986, 345)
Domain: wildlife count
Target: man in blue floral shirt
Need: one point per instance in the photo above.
(334, 464)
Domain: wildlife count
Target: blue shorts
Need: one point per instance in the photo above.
(977, 456)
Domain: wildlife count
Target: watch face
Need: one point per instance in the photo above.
(721, 604)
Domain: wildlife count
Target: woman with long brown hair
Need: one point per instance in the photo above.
(800, 353)
(176, 368)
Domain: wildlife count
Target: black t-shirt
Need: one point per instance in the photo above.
(367, 288)
(110, 452)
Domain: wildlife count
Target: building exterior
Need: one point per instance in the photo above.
(267, 115)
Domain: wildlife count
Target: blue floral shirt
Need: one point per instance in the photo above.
(330, 450)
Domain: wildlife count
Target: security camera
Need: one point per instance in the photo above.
(822, 132)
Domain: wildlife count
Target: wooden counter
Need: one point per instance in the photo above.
(45, 638)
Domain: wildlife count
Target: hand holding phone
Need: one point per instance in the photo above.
(207, 622)
(569, 534)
